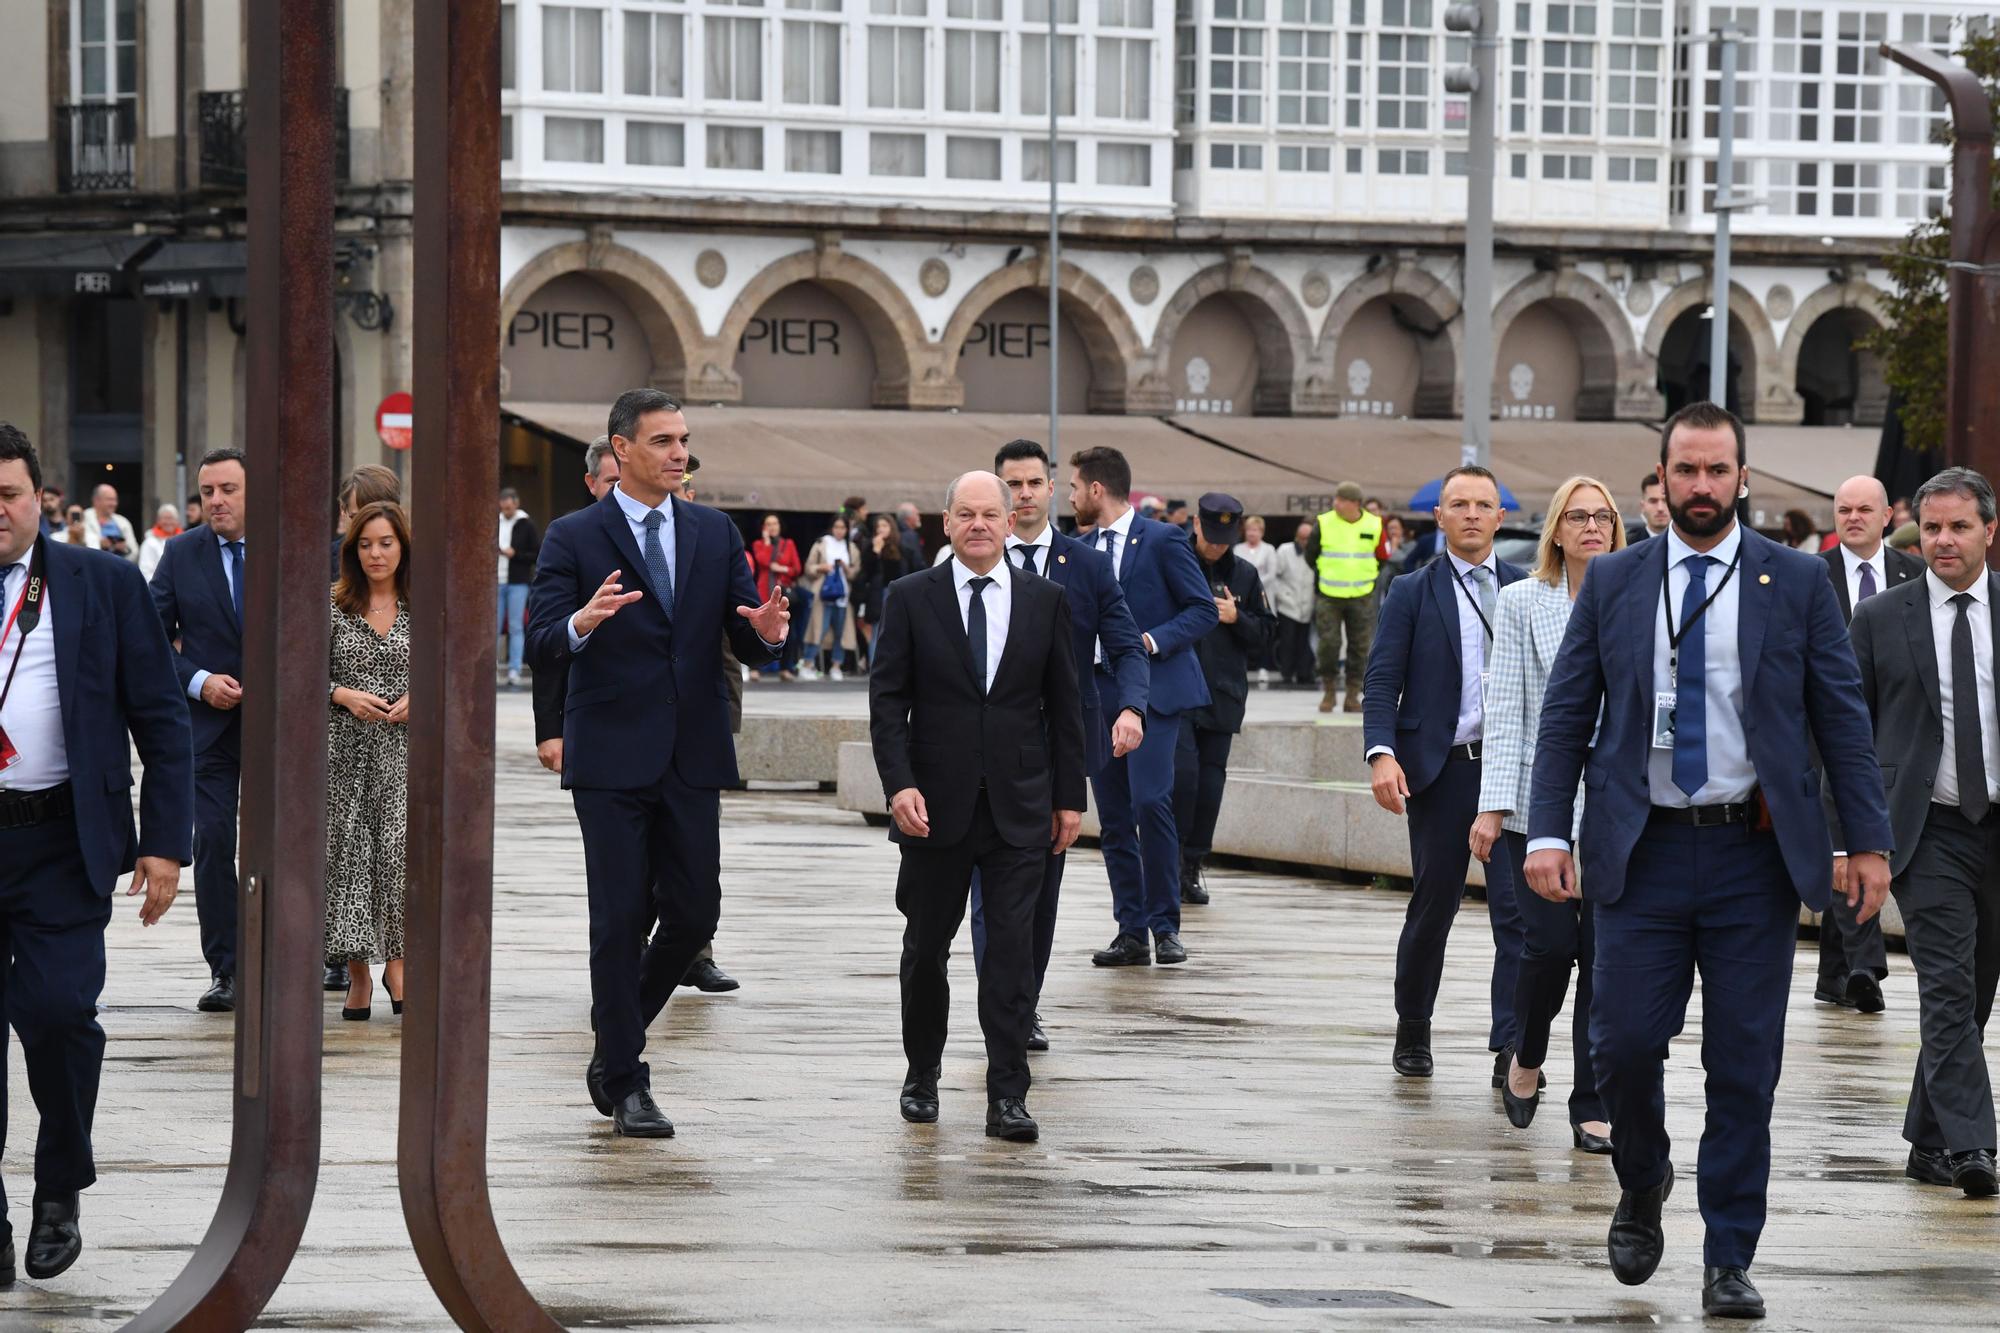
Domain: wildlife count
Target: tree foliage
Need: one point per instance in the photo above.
(1914, 344)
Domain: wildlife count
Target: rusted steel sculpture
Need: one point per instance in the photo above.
(441, 1151)
(274, 1148)
(1972, 395)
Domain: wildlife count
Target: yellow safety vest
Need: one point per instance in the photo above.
(1347, 565)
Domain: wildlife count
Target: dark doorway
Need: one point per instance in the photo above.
(1684, 360)
(106, 396)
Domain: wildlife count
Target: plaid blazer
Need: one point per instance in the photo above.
(1528, 624)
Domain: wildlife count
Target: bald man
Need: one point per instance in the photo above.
(1852, 959)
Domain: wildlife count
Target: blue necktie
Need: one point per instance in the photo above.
(1111, 549)
(1690, 689)
(656, 563)
(1868, 588)
(236, 580)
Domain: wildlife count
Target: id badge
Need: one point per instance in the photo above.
(1663, 720)
(8, 754)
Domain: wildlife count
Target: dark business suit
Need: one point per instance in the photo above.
(197, 608)
(1411, 697)
(1847, 947)
(1208, 733)
(115, 679)
(993, 764)
(1671, 899)
(1168, 599)
(646, 750)
(1947, 867)
(1097, 611)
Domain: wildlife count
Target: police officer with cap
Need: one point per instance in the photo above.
(1245, 626)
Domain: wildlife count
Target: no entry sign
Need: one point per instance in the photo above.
(393, 420)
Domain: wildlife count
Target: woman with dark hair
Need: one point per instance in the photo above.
(881, 565)
(367, 752)
(775, 558)
(1800, 532)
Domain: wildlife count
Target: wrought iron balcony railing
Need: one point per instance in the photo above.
(94, 146)
(224, 139)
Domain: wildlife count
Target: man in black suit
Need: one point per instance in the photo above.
(646, 749)
(1852, 957)
(1927, 653)
(198, 591)
(86, 678)
(977, 725)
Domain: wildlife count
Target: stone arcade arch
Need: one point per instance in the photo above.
(1615, 378)
(683, 362)
(1117, 357)
(1288, 378)
(1837, 383)
(1400, 300)
(1764, 397)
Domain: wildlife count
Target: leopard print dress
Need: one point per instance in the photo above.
(367, 793)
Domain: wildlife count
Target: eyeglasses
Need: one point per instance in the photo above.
(1583, 518)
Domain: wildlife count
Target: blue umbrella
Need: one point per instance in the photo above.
(1431, 492)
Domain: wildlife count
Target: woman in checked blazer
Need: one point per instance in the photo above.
(1529, 620)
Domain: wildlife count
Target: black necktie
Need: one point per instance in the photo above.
(975, 629)
(1027, 554)
(1965, 716)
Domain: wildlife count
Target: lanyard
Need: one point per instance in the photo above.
(1674, 636)
(1472, 601)
(27, 613)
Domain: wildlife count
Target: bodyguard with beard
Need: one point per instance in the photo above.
(1716, 658)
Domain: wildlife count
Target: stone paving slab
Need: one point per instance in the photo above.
(1230, 1125)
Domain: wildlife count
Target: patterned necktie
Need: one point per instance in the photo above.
(1965, 739)
(1691, 687)
(975, 629)
(1867, 583)
(656, 563)
(1111, 548)
(236, 579)
(1027, 554)
(1488, 594)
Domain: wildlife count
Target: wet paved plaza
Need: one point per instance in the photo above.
(1217, 1138)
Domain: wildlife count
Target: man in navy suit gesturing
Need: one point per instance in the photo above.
(646, 745)
(1716, 658)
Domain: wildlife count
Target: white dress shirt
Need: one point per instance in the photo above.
(998, 599)
(1123, 527)
(1979, 617)
(1852, 563)
(221, 553)
(635, 514)
(1473, 643)
(1731, 775)
(1044, 544)
(32, 716)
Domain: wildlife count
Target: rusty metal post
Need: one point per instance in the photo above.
(1972, 395)
(274, 1149)
(441, 1147)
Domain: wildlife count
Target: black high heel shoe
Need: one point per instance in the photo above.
(1520, 1110)
(1589, 1142)
(356, 1015)
(395, 1005)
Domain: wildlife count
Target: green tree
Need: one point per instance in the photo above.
(1913, 345)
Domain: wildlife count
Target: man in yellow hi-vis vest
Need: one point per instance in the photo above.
(1342, 554)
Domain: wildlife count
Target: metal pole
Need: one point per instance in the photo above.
(1725, 173)
(1478, 305)
(275, 1138)
(1055, 254)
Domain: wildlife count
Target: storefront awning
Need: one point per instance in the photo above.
(89, 264)
(179, 270)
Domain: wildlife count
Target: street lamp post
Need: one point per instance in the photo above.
(1480, 19)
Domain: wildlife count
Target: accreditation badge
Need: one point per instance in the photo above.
(1663, 720)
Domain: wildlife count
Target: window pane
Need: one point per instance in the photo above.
(556, 50)
(655, 144)
(896, 154)
(813, 150)
(572, 139)
(736, 147)
(972, 159)
(1124, 164)
(506, 47)
(1035, 160)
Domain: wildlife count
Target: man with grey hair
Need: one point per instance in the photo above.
(1927, 656)
(909, 534)
(1852, 957)
(111, 529)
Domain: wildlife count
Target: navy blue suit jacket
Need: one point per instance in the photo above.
(116, 677)
(1097, 611)
(645, 691)
(1800, 686)
(1168, 597)
(1410, 693)
(191, 592)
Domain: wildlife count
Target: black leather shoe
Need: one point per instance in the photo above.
(640, 1117)
(704, 975)
(920, 1098)
(1929, 1166)
(1836, 996)
(1637, 1240)
(56, 1240)
(1008, 1118)
(1125, 951)
(1520, 1110)
(593, 1081)
(1728, 1294)
(1504, 1057)
(7, 1261)
(1412, 1056)
(1589, 1142)
(1038, 1040)
(1865, 993)
(335, 978)
(1192, 889)
(1973, 1172)
(220, 997)
(1167, 948)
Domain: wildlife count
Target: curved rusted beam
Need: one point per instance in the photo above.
(274, 1147)
(441, 1144)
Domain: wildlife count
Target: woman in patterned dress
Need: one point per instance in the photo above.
(367, 749)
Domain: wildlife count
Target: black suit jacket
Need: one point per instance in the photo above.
(1897, 654)
(190, 591)
(934, 730)
(1901, 569)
